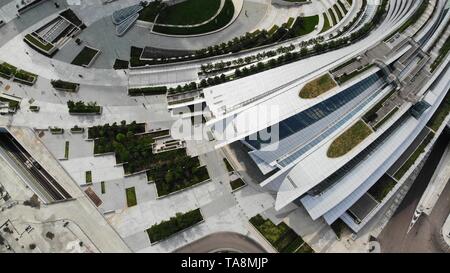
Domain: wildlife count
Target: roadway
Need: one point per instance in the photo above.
(222, 242)
(42, 181)
(424, 235)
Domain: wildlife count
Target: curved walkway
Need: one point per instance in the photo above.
(223, 241)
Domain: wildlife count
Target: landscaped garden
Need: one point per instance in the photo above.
(171, 171)
(349, 139)
(181, 221)
(81, 107)
(190, 12)
(280, 236)
(177, 172)
(220, 21)
(317, 87)
(85, 57)
(131, 197)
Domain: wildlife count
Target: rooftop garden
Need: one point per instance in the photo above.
(180, 222)
(349, 139)
(381, 189)
(317, 87)
(413, 19)
(412, 159)
(441, 113)
(280, 236)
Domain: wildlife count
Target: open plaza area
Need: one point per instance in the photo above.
(231, 126)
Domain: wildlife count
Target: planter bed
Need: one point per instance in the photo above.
(131, 197)
(80, 108)
(25, 77)
(112, 130)
(56, 131)
(121, 64)
(157, 90)
(34, 108)
(280, 236)
(86, 57)
(237, 184)
(65, 86)
(174, 225)
(34, 42)
(77, 130)
(7, 71)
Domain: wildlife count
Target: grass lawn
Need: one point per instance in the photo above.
(349, 139)
(88, 177)
(131, 197)
(221, 20)
(189, 12)
(235, 184)
(306, 25)
(66, 150)
(150, 12)
(181, 221)
(85, 56)
(317, 87)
